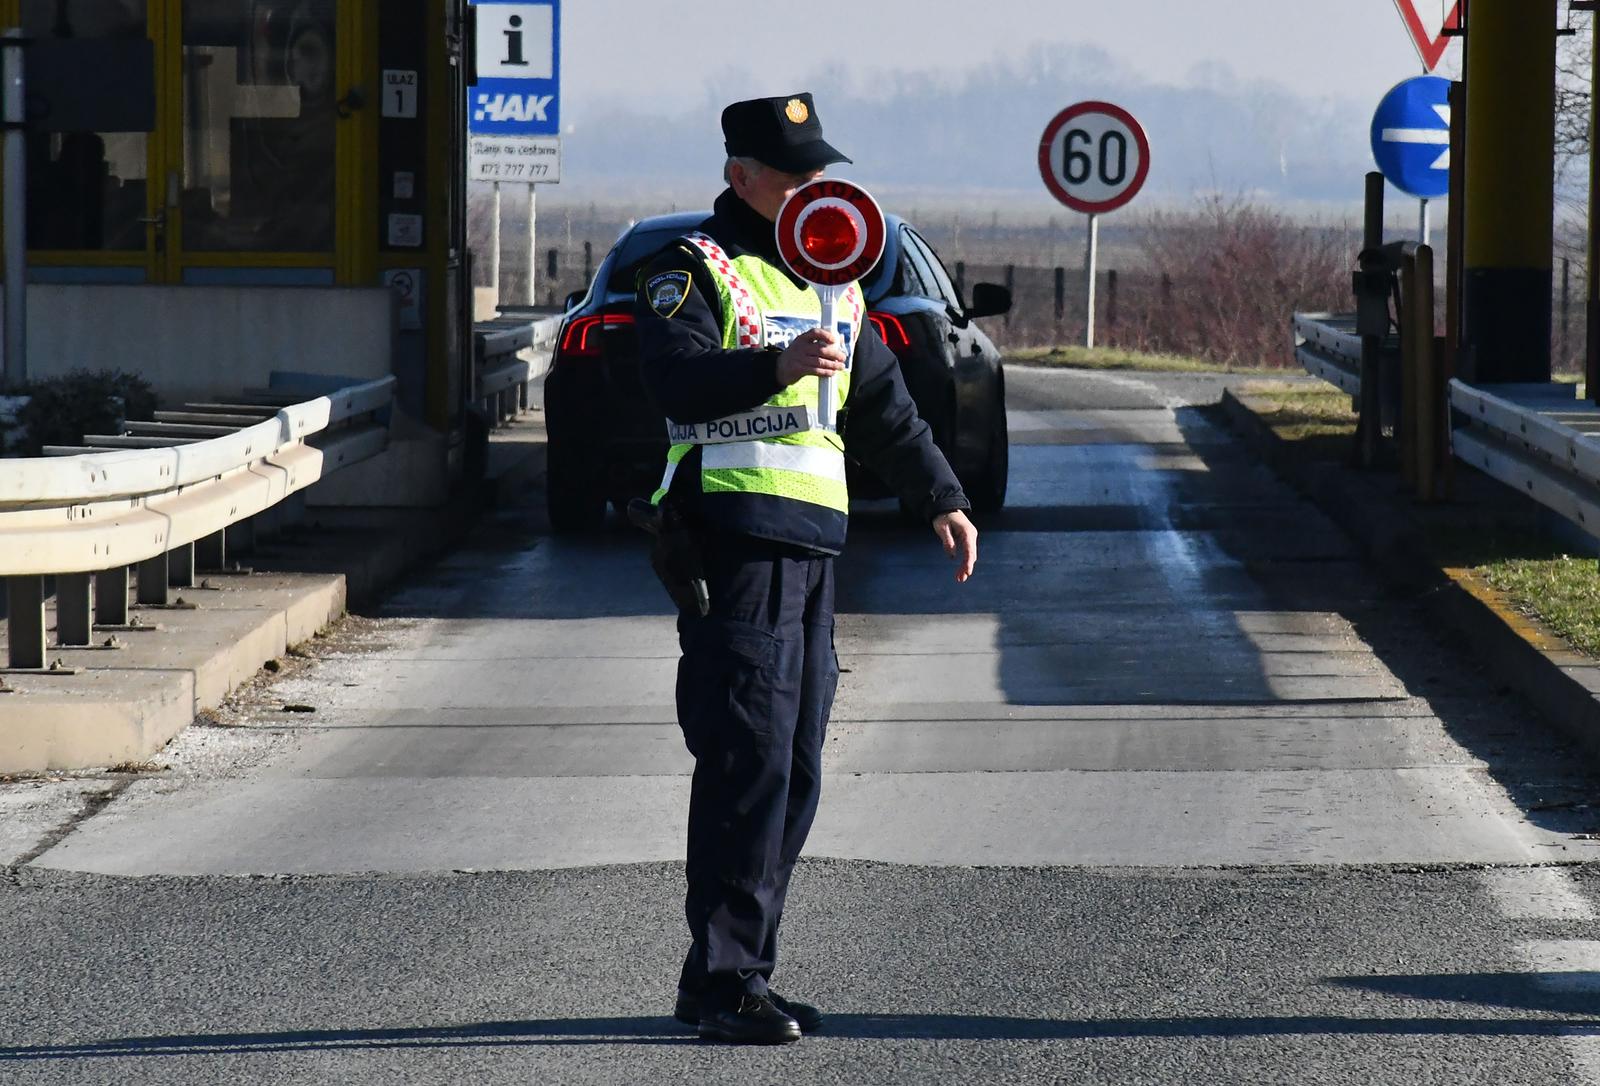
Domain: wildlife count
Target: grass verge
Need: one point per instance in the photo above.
(1113, 358)
(1560, 590)
(1530, 569)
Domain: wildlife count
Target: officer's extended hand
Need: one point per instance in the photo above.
(960, 538)
(817, 353)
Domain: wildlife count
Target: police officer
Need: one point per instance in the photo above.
(728, 336)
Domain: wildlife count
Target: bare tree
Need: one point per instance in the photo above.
(1574, 79)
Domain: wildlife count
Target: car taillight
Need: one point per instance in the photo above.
(891, 331)
(582, 337)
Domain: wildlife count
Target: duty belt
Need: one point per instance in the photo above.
(757, 425)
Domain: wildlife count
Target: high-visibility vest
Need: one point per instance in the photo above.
(761, 306)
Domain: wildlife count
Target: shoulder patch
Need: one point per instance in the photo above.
(667, 291)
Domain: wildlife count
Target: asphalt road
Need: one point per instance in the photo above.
(1172, 792)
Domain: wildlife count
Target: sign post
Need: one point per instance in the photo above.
(830, 233)
(1094, 158)
(1411, 140)
(514, 109)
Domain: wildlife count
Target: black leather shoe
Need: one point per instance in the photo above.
(687, 1010)
(807, 1016)
(755, 1021)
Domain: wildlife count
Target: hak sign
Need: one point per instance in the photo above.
(519, 69)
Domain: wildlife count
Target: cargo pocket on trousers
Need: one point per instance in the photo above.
(732, 675)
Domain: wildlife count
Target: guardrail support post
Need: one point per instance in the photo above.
(25, 622)
(180, 566)
(153, 581)
(211, 553)
(111, 597)
(74, 610)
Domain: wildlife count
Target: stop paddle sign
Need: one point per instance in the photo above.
(830, 233)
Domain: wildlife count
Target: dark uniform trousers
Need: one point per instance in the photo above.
(755, 686)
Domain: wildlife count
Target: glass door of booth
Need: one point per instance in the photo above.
(251, 174)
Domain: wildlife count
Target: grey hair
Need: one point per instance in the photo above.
(752, 166)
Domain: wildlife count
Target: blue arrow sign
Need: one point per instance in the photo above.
(519, 69)
(1411, 137)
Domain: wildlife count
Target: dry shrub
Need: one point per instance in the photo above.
(1227, 277)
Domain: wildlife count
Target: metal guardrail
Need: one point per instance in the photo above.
(1327, 346)
(1537, 439)
(89, 516)
(511, 352)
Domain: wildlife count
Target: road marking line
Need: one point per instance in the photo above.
(1564, 965)
(1537, 893)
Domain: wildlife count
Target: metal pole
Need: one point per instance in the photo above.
(1369, 428)
(111, 597)
(1425, 229)
(1563, 332)
(533, 244)
(1428, 420)
(1091, 258)
(826, 409)
(16, 211)
(494, 242)
(74, 609)
(25, 623)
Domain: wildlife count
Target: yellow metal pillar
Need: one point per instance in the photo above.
(1510, 183)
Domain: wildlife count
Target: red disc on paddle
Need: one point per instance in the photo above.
(829, 236)
(830, 232)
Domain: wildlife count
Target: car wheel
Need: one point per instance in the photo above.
(988, 492)
(573, 500)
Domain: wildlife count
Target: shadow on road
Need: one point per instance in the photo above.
(1503, 989)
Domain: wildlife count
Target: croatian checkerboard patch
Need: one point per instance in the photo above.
(667, 291)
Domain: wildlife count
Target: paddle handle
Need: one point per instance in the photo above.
(827, 412)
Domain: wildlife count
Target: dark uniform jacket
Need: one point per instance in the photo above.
(693, 379)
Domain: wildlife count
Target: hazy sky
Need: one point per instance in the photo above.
(665, 56)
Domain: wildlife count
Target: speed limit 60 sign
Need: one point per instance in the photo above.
(1094, 157)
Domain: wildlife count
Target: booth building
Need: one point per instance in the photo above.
(293, 202)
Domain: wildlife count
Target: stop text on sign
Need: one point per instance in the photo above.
(1094, 157)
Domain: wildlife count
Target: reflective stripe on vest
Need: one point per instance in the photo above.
(757, 455)
(760, 303)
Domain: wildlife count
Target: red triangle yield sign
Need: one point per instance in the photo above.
(1430, 47)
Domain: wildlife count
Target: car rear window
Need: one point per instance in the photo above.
(635, 249)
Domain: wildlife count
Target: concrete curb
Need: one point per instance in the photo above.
(1520, 652)
(124, 706)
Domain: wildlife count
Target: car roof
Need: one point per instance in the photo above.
(874, 284)
(676, 220)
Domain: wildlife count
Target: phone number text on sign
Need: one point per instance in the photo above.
(535, 159)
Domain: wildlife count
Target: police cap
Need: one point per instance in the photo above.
(784, 133)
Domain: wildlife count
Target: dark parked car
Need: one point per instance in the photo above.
(608, 443)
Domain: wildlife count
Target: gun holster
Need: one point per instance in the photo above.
(675, 555)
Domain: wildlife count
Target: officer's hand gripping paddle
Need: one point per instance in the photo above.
(830, 233)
